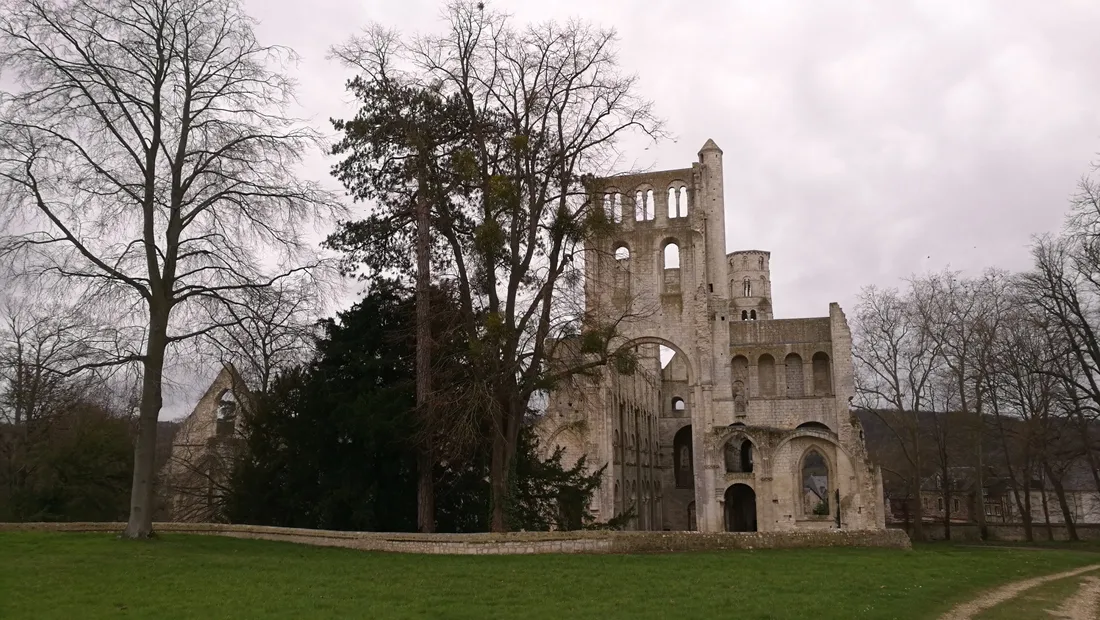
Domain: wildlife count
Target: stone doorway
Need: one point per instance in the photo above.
(740, 508)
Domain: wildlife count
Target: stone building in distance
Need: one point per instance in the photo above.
(731, 419)
(197, 471)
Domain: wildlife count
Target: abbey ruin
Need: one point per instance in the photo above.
(743, 423)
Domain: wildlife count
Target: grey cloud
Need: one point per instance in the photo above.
(863, 141)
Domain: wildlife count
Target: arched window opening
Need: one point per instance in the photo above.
(761, 265)
(744, 315)
(678, 404)
(622, 253)
(672, 202)
(794, 376)
(738, 456)
(815, 485)
(227, 414)
(746, 287)
(639, 206)
(612, 202)
(672, 256)
(765, 368)
(823, 383)
(752, 315)
(818, 426)
(650, 210)
(683, 202)
(682, 459)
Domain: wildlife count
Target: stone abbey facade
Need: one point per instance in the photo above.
(747, 426)
(197, 471)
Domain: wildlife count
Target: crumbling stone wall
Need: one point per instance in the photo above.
(737, 374)
(198, 468)
(522, 543)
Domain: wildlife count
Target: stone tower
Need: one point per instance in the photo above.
(750, 285)
(731, 420)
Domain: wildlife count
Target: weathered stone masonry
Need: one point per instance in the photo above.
(747, 427)
(519, 543)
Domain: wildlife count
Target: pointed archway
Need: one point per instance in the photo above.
(740, 508)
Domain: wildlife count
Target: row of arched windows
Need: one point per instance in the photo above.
(637, 436)
(671, 254)
(746, 262)
(649, 490)
(748, 289)
(793, 373)
(644, 205)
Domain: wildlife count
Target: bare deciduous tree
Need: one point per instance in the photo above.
(896, 365)
(547, 105)
(49, 378)
(958, 314)
(147, 155)
(268, 330)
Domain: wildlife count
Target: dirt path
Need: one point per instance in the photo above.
(1083, 605)
(965, 611)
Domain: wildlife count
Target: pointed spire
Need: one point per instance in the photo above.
(710, 146)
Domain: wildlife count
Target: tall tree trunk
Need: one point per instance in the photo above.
(498, 474)
(1084, 428)
(918, 518)
(1046, 512)
(1063, 504)
(425, 488)
(946, 509)
(140, 524)
(979, 477)
(505, 438)
(1025, 510)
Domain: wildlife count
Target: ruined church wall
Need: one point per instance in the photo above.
(686, 305)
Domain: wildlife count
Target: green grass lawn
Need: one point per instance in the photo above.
(51, 575)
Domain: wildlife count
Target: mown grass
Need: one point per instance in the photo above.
(51, 575)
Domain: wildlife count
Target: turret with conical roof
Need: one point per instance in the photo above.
(710, 145)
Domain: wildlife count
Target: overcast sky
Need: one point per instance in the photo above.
(864, 141)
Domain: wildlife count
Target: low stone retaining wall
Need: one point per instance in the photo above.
(516, 542)
(1006, 532)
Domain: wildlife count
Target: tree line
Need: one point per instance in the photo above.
(995, 375)
(149, 172)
